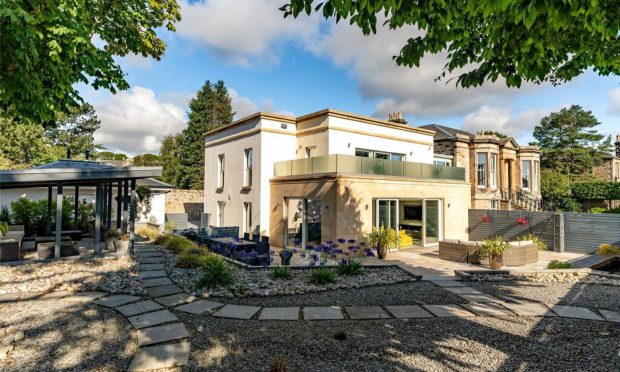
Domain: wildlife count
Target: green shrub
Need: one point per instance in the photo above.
(5, 216)
(162, 239)
(555, 264)
(282, 272)
(112, 233)
(178, 244)
(215, 273)
(542, 246)
(150, 234)
(350, 267)
(613, 210)
(322, 275)
(4, 227)
(190, 260)
(607, 249)
(597, 210)
(170, 225)
(595, 190)
(492, 247)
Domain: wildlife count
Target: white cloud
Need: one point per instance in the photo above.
(614, 102)
(135, 121)
(501, 119)
(244, 106)
(245, 31)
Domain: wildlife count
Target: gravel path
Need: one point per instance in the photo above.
(395, 294)
(486, 344)
(573, 294)
(66, 336)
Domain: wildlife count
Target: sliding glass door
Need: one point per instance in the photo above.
(302, 222)
(432, 221)
(387, 213)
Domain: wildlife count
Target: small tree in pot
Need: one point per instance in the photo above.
(494, 249)
(381, 239)
(122, 245)
(111, 236)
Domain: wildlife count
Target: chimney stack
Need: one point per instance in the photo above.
(397, 117)
(618, 145)
(68, 153)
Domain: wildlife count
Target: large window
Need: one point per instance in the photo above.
(248, 162)
(481, 164)
(493, 171)
(247, 218)
(220, 171)
(379, 154)
(526, 174)
(617, 172)
(442, 162)
(219, 221)
(535, 174)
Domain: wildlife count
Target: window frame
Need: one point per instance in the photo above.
(526, 176)
(221, 164)
(481, 173)
(247, 217)
(442, 162)
(219, 213)
(535, 172)
(248, 165)
(493, 162)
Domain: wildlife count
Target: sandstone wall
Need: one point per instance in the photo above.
(186, 201)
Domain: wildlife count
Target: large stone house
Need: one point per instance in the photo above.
(502, 174)
(610, 169)
(329, 175)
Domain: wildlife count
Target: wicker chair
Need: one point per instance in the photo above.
(10, 250)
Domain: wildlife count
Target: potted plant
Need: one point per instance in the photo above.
(122, 245)
(285, 256)
(111, 236)
(381, 239)
(494, 249)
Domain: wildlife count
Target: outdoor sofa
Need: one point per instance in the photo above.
(520, 252)
(11, 244)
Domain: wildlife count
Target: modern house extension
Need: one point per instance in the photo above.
(503, 175)
(329, 175)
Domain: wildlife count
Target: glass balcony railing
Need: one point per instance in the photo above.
(338, 163)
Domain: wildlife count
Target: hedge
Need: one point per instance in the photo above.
(596, 190)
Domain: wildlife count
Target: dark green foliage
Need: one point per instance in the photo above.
(4, 227)
(350, 267)
(555, 264)
(178, 244)
(489, 39)
(613, 210)
(282, 272)
(322, 275)
(554, 187)
(492, 133)
(570, 205)
(5, 216)
(211, 108)
(215, 273)
(596, 190)
(146, 160)
(75, 130)
(569, 142)
(190, 260)
(49, 48)
(170, 157)
(25, 145)
(33, 214)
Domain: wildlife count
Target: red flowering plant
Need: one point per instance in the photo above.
(486, 218)
(522, 220)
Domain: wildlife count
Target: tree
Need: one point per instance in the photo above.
(170, 158)
(76, 130)
(48, 46)
(568, 142)
(492, 133)
(146, 160)
(210, 109)
(518, 40)
(25, 145)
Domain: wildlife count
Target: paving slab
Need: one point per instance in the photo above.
(148, 267)
(152, 319)
(611, 316)
(138, 308)
(84, 297)
(157, 335)
(146, 249)
(199, 307)
(479, 297)
(575, 312)
(31, 295)
(448, 311)
(161, 356)
(448, 283)
(151, 254)
(487, 309)
(366, 312)
(279, 313)
(176, 299)
(323, 313)
(9, 297)
(237, 312)
(155, 282)
(152, 274)
(163, 290)
(152, 260)
(408, 312)
(55, 294)
(463, 290)
(528, 309)
(116, 300)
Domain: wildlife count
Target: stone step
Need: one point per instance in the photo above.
(483, 297)
(151, 254)
(611, 316)
(237, 312)
(163, 290)
(152, 260)
(199, 307)
(575, 312)
(157, 335)
(279, 313)
(528, 309)
(176, 299)
(138, 308)
(116, 300)
(408, 312)
(448, 311)
(148, 267)
(85, 297)
(447, 283)
(152, 274)
(323, 313)
(366, 312)
(155, 282)
(487, 309)
(161, 356)
(463, 290)
(152, 319)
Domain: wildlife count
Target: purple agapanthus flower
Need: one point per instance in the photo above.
(341, 240)
(351, 241)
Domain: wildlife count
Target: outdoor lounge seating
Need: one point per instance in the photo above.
(520, 252)
(67, 248)
(10, 250)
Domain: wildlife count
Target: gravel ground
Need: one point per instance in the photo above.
(394, 294)
(65, 336)
(573, 294)
(483, 344)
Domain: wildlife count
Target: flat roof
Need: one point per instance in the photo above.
(73, 172)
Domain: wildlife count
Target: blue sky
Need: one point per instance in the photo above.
(297, 66)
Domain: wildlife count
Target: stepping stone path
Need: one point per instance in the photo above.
(408, 312)
(528, 309)
(85, 297)
(157, 266)
(176, 299)
(163, 290)
(366, 312)
(279, 313)
(152, 274)
(152, 319)
(448, 311)
(487, 309)
(161, 356)
(447, 283)
(147, 283)
(611, 316)
(116, 300)
(139, 308)
(323, 313)
(199, 307)
(157, 335)
(575, 312)
(237, 312)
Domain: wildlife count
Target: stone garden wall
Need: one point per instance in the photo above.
(186, 201)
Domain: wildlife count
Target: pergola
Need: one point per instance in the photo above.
(76, 173)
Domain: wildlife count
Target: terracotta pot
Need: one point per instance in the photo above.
(382, 252)
(496, 262)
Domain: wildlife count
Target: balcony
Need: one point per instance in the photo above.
(338, 163)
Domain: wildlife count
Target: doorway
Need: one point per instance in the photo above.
(302, 225)
(418, 222)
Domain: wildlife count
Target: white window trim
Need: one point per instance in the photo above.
(486, 164)
(535, 171)
(247, 214)
(221, 169)
(219, 217)
(493, 171)
(529, 175)
(247, 167)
